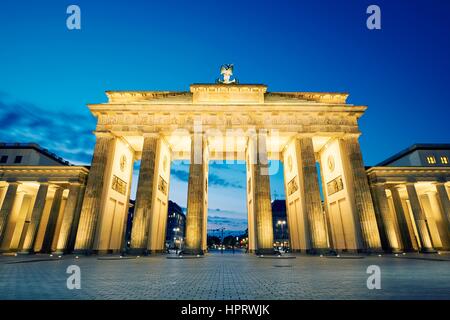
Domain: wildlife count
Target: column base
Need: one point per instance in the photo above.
(25, 252)
(319, 251)
(192, 252)
(268, 251)
(138, 252)
(393, 251)
(302, 251)
(427, 250)
(85, 252)
(157, 251)
(372, 251)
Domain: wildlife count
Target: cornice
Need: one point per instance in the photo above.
(401, 170)
(43, 169)
(322, 97)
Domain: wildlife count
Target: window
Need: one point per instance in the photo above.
(444, 160)
(4, 159)
(431, 160)
(18, 159)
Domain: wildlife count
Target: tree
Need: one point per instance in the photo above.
(213, 240)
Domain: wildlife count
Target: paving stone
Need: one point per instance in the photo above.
(224, 277)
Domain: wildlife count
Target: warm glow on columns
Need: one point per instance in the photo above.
(197, 191)
(311, 194)
(443, 199)
(363, 199)
(7, 207)
(144, 195)
(386, 216)
(93, 195)
(263, 209)
(420, 219)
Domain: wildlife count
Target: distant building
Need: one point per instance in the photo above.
(420, 155)
(410, 195)
(40, 196)
(280, 223)
(129, 223)
(28, 154)
(176, 225)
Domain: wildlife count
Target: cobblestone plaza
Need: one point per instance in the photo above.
(226, 277)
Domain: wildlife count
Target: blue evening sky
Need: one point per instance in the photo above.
(48, 73)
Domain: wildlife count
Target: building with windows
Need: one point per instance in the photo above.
(28, 154)
(176, 225)
(129, 223)
(411, 197)
(400, 205)
(280, 224)
(41, 197)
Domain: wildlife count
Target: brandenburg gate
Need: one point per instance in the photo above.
(315, 135)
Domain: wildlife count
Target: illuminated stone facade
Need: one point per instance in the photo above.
(41, 198)
(411, 193)
(383, 208)
(233, 123)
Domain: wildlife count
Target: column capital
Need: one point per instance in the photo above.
(13, 182)
(103, 134)
(351, 135)
(440, 180)
(396, 186)
(57, 186)
(304, 135)
(151, 135)
(75, 184)
(381, 184)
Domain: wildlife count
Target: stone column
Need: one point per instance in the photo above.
(311, 195)
(68, 217)
(263, 208)
(387, 223)
(76, 219)
(361, 193)
(401, 219)
(7, 207)
(327, 213)
(443, 200)
(197, 193)
(420, 219)
(93, 195)
(52, 220)
(36, 215)
(144, 195)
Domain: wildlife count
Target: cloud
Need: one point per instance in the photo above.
(215, 180)
(67, 134)
(182, 173)
(234, 222)
(231, 225)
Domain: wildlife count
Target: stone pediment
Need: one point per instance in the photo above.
(228, 93)
(296, 97)
(150, 96)
(225, 94)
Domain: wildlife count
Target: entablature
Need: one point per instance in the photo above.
(407, 174)
(57, 174)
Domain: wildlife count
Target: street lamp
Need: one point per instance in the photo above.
(281, 223)
(176, 230)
